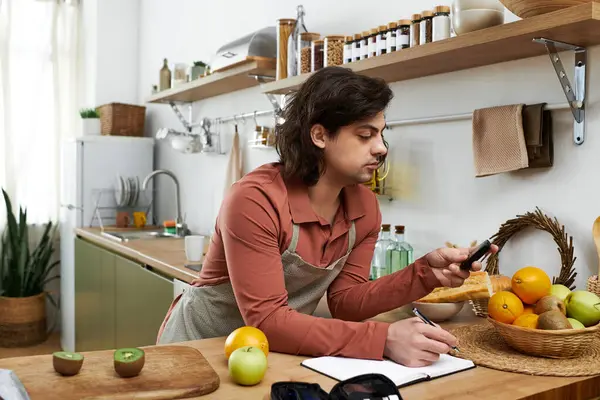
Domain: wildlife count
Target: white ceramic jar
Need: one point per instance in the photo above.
(473, 15)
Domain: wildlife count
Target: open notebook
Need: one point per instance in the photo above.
(342, 368)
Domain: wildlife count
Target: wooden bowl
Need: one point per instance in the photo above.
(563, 343)
(530, 8)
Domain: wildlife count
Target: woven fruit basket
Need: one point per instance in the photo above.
(563, 343)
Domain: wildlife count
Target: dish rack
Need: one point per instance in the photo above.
(103, 213)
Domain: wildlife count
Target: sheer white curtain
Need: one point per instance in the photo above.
(38, 100)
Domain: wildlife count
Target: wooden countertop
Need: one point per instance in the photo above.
(475, 384)
(166, 255)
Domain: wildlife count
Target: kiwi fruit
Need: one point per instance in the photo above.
(553, 320)
(129, 361)
(550, 303)
(67, 363)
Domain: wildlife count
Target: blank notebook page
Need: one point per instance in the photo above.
(342, 368)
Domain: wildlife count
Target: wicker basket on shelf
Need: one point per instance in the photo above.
(118, 119)
(536, 220)
(564, 343)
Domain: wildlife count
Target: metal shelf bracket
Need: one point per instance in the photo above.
(575, 93)
(271, 97)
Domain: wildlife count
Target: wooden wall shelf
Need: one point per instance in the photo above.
(221, 82)
(579, 25)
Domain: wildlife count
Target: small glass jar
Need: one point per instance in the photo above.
(334, 50)
(316, 57)
(180, 74)
(305, 40)
(372, 43)
(364, 45)
(426, 27)
(403, 34)
(390, 40)
(382, 40)
(415, 30)
(348, 49)
(356, 47)
(441, 23)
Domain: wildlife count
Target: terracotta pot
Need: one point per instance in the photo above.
(23, 320)
(530, 8)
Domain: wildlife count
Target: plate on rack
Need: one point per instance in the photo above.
(134, 191)
(120, 191)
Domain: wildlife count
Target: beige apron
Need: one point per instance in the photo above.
(211, 311)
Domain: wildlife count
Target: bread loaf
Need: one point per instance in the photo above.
(477, 286)
(500, 283)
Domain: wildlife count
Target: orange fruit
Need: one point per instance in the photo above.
(527, 321)
(505, 307)
(246, 336)
(531, 284)
(528, 310)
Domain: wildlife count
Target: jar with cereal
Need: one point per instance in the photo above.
(316, 56)
(415, 30)
(403, 34)
(304, 45)
(356, 47)
(333, 50)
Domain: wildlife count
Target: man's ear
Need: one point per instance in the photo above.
(317, 134)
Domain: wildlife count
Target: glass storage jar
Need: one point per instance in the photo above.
(382, 40)
(441, 23)
(426, 27)
(372, 43)
(333, 50)
(390, 39)
(285, 26)
(364, 45)
(348, 49)
(356, 47)
(415, 30)
(403, 34)
(316, 57)
(304, 49)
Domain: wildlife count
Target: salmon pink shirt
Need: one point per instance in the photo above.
(254, 228)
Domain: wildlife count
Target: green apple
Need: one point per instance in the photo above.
(584, 306)
(560, 291)
(575, 324)
(247, 365)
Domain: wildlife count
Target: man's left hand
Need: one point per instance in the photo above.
(445, 264)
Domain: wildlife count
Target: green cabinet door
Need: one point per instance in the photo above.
(142, 301)
(94, 297)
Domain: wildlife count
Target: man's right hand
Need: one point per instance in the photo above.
(413, 343)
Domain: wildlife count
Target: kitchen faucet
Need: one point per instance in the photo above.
(181, 227)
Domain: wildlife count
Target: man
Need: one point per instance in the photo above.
(290, 232)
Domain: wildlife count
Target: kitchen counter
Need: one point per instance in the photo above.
(474, 384)
(166, 255)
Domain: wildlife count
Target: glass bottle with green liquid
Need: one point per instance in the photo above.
(380, 263)
(400, 252)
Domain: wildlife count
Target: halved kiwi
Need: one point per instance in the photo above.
(67, 363)
(129, 361)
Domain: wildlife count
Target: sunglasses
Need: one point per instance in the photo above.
(361, 387)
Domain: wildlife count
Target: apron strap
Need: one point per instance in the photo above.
(351, 237)
(294, 241)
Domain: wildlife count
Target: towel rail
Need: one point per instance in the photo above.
(456, 117)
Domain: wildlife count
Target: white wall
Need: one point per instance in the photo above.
(440, 200)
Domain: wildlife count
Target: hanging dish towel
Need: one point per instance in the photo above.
(537, 125)
(499, 140)
(234, 164)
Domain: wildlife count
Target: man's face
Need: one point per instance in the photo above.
(352, 155)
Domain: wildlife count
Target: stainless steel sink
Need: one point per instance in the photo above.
(125, 236)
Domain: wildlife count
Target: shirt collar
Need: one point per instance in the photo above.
(302, 211)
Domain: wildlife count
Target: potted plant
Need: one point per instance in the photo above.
(24, 273)
(198, 70)
(90, 121)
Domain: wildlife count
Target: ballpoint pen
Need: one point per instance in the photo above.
(427, 321)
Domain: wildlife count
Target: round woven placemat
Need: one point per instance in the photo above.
(481, 344)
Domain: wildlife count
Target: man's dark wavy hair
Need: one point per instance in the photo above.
(333, 97)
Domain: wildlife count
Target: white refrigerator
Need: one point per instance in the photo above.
(90, 170)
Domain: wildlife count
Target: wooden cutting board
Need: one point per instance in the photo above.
(170, 372)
